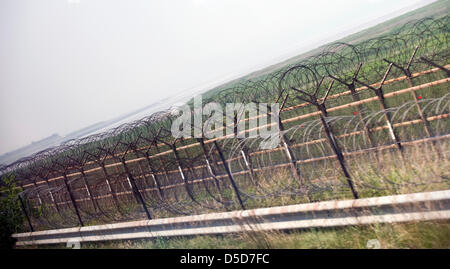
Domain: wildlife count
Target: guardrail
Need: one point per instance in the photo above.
(387, 209)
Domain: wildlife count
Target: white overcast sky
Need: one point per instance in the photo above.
(66, 64)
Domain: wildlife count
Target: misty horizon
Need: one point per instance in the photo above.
(103, 80)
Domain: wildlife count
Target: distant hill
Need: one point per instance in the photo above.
(55, 139)
(30, 149)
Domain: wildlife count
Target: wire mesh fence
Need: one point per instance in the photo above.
(356, 120)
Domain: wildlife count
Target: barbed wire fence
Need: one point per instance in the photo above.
(356, 120)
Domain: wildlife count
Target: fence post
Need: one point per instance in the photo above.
(22, 205)
(211, 170)
(286, 145)
(108, 183)
(51, 194)
(407, 72)
(72, 198)
(86, 185)
(351, 87)
(230, 176)
(101, 162)
(313, 99)
(379, 93)
(187, 154)
(154, 177)
(336, 149)
(166, 174)
(135, 189)
(37, 192)
(183, 175)
(244, 151)
(88, 189)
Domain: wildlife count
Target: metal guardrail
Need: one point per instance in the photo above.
(387, 209)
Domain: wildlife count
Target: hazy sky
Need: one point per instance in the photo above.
(66, 64)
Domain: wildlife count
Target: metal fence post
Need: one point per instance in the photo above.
(230, 176)
(336, 149)
(154, 177)
(351, 87)
(211, 170)
(381, 100)
(407, 72)
(74, 204)
(108, 184)
(244, 151)
(183, 175)
(165, 171)
(22, 205)
(286, 145)
(88, 189)
(135, 189)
